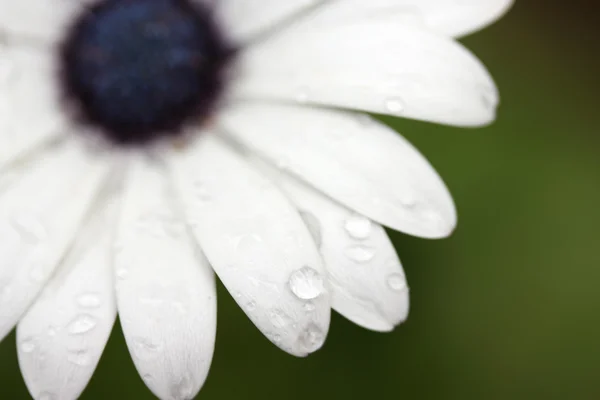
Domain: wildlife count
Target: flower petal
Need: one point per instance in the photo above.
(38, 19)
(62, 336)
(353, 159)
(40, 215)
(27, 88)
(257, 244)
(165, 289)
(447, 17)
(368, 285)
(244, 19)
(374, 65)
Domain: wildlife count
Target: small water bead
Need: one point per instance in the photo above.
(82, 324)
(358, 227)
(251, 306)
(312, 338)
(396, 282)
(29, 227)
(28, 345)
(183, 389)
(306, 283)
(80, 358)
(144, 348)
(360, 254)
(309, 307)
(89, 300)
(394, 105)
(46, 396)
(303, 95)
(122, 273)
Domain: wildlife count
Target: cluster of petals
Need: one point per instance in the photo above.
(284, 196)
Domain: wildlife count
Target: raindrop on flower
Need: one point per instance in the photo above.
(396, 282)
(360, 254)
(306, 283)
(28, 345)
(358, 227)
(394, 105)
(82, 324)
(312, 338)
(89, 300)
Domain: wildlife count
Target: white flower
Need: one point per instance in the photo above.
(275, 185)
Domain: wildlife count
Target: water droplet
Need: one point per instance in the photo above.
(313, 225)
(28, 345)
(144, 349)
(81, 324)
(46, 396)
(396, 282)
(306, 283)
(183, 389)
(279, 318)
(358, 227)
(364, 120)
(52, 330)
(394, 105)
(147, 378)
(38, 272)
(122, 273)
(277, 338)
(309, 307)
(201, 192)
(251, 306)
(29, 227)
(312, 338)
(303, 95)
(89, 300)
(360, 254)
(80, 358)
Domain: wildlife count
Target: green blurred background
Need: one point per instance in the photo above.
(509, 307)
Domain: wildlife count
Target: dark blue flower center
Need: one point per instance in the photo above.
(142, 69)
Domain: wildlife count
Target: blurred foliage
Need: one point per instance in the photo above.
(506, 308)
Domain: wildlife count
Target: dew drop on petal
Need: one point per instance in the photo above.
(312, 338)
(80, 358)
(396, 282)
(28, 345)
(144, 349)
(394, 105)
(358, 227)
(183, 389)
(82, 324)
(46, 396)
(89, 300)
(360, 254)
(306, 283)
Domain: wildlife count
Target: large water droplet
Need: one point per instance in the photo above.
(89, 300)
(312, 338)
(82, 324)
(358, 227)
(396, 282)
(360, 254)
(306, 283)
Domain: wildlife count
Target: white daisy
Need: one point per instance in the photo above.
(222, 141)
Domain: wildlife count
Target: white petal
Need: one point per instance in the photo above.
(62, 336)
(165, 289)
(39, 19)
(27, 88)
(244, 19)
(447, 17)
(40, 215)
(379, 66)
(257, 244)
(353, 159)
(368, 285)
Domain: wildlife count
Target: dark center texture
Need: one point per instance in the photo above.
(139, 70)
